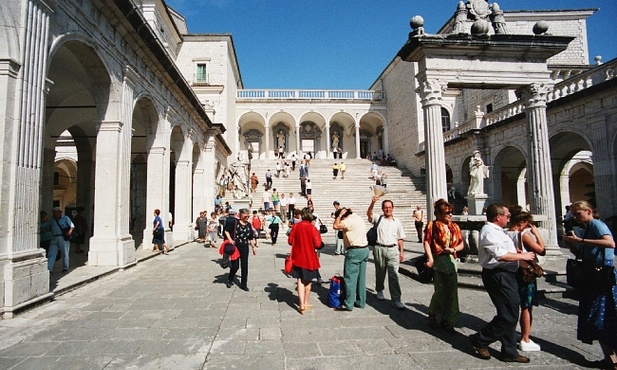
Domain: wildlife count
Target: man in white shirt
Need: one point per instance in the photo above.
(388, 253)
(266, 197)
(499, 260)
(291, 206)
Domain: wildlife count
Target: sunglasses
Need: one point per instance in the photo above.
(448, 213)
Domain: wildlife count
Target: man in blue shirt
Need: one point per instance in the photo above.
(58, 224)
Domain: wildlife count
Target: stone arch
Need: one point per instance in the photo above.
(75, 105)
(9, 38)
(567, 148)
(341, 128)
(508, 186)
(144, 123)
(373, 136)
(252, 132)
(312, 126)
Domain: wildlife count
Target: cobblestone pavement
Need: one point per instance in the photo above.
(175, 312)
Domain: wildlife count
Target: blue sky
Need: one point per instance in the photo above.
(346, 44)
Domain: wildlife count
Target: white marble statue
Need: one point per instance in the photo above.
(280, 137)
(478, 172)
(238, 172)
(335, 140)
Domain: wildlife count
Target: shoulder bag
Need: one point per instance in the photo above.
(528, 270)
(371, 235)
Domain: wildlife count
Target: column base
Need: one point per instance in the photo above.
(23, 282)
(476, 203)
(112, 252)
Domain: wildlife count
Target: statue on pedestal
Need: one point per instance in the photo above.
(238, 172)
(478, 172)
(280, 139)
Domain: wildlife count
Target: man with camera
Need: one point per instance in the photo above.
(388, 250)
(354, 237)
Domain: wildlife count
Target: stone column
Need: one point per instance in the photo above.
(24, 276)
(328, 141)
(603, 170)
(183, 219)
(267, 135)
(298, 144)
(540, 174)
(209, 159)
(111, 244)
(157, 196)
(520, 191)
(357, 125)
(386, 141)
(199, 185)
(430, 91)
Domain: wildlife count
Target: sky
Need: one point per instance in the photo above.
(346, 44)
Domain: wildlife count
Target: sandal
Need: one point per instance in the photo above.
(432, 321)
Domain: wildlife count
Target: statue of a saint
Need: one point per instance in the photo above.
(335, 140)
(280, 138)
(238, 172)
(478, 172)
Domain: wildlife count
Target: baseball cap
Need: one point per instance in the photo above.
(336, 202)
(57, 209)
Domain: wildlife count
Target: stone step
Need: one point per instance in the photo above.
(354, 191)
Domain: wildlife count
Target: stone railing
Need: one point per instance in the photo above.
(265, 94)
(585, 80)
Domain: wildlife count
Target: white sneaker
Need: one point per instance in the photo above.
(380, 296)
(530, 346)
(399, 305)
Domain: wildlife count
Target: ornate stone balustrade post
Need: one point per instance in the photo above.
(431, 91)
(540, 174)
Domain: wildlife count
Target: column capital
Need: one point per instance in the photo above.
(535, 95)
(111, 125)
(431, 91)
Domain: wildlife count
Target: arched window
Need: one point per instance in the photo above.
(445, 120)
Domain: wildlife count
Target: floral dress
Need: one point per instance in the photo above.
(597, 312)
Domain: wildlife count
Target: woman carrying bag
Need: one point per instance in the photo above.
(442, 240)
(526, 238)
(304, 239)
(597, 310)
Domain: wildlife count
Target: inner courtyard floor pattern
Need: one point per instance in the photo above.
(174, 312)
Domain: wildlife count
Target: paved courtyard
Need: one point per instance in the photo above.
(174, 312)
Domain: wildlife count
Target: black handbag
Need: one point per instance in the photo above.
(589, 277)
(323, 229)
(425, 274)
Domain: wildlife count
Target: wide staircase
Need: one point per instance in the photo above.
(354, 191)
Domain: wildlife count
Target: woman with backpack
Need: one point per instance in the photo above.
(304, 239)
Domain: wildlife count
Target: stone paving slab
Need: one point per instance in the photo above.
(175, 312)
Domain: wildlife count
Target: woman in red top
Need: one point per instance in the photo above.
(304, 239)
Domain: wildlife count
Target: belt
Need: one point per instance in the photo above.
(355, 247)
(386, 246)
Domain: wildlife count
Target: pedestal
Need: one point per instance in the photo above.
(238, 204)
(476, 203)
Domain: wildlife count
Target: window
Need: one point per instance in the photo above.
(489, 108)
(445, 120)
(56, 178)
(201, 75)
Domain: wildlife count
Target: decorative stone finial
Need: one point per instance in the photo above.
(540, 28)
(498, 20)
(417, 24)
(479, 27)
(598, 59)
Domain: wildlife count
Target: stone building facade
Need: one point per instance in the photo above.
(99, 78)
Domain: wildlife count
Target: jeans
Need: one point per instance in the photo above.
(58, 244)
(387, 260)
